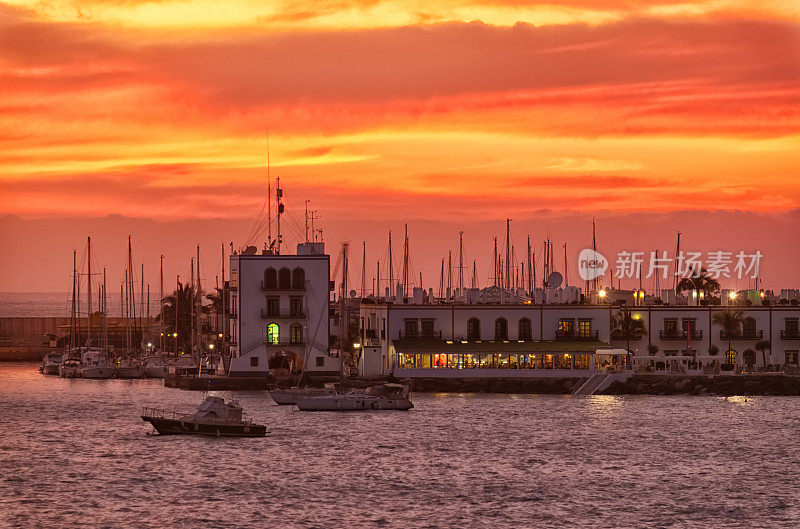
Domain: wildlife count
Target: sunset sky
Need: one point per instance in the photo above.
(452, 111)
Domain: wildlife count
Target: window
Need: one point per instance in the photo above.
(383, 328)
(270, 279)
(253, 361)
(298, 279)
(320, 361)
(731, 356)
(671, 327)
(791, 326)
(689, 325)
(284, 279)
(500, 329)
(273, 334)
(427, 328)
(749, 326)
(585, 328)
(273, 306)
(791, 357)
(296, 307)
(296, 333)
(566, 327)
(411, 328)
(473, 329)
(524, 330)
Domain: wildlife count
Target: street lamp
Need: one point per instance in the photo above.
(211, 346)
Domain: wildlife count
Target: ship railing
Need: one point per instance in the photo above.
(156, 413)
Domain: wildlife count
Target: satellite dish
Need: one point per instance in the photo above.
(554, 280)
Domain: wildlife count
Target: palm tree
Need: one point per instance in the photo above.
(702, 282)
(181, 301)
(629, 326)
(763, 346)
(730, 321)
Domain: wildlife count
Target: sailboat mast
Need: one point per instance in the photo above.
(161, 302)
(508, 254)
(391, 268)
(88, 290)
(191, 307)
(72, 333)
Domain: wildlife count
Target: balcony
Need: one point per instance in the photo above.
(680, 335)
(751, 335)
(576, 336)
(419, 335)
(281, 315)
(791, 334)
(279, 288)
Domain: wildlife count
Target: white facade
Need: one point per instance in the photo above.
(280, 313)
(566, 332)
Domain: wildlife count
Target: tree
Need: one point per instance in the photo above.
(730, 321)
(702, 282)
(629, 326)
(713, 350)
(181, 301)
(652, 349)
(763, 346)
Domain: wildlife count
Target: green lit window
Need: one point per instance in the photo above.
(273, 334)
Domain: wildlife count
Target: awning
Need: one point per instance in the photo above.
(409, 346)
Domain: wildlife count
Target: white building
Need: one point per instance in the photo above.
(513, 340)
(280, 308)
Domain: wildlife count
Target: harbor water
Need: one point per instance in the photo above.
(75, 453)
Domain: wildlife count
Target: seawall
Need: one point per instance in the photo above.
(723, 385)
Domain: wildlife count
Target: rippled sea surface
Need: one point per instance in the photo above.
(75, 453)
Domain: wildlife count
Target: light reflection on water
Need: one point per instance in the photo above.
(76, 453)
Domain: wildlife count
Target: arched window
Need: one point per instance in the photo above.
(273, 334)
(500, 329)
(296, 333)
(270, 279)
(730, 356)
(284, 279)
(525, 330)
(298, 279)
(749, 326)
(473, 329)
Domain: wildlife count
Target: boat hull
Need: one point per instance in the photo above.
(284, 397)
(352, 404)
(50, 369)
(154, 372)
(129, 372)
(97, 372)
(70, 372)
(177, 427)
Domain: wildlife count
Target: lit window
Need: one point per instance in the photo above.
(273, 333)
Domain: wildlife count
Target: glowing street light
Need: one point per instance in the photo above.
(211, 346)
(175, 335)
(732, 295)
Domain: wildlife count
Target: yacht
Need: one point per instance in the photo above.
(215, 417)
(51, 362)
(94, 364)
(71, 366)
(381, 397)
(128, 367)
(154, 367)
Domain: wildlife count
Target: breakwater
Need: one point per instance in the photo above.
(748, 384)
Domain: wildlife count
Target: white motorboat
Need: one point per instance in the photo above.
(94, 364)
(128, 367)
(382, 397)
(288, 396)
(155, 367)
(51, 362)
